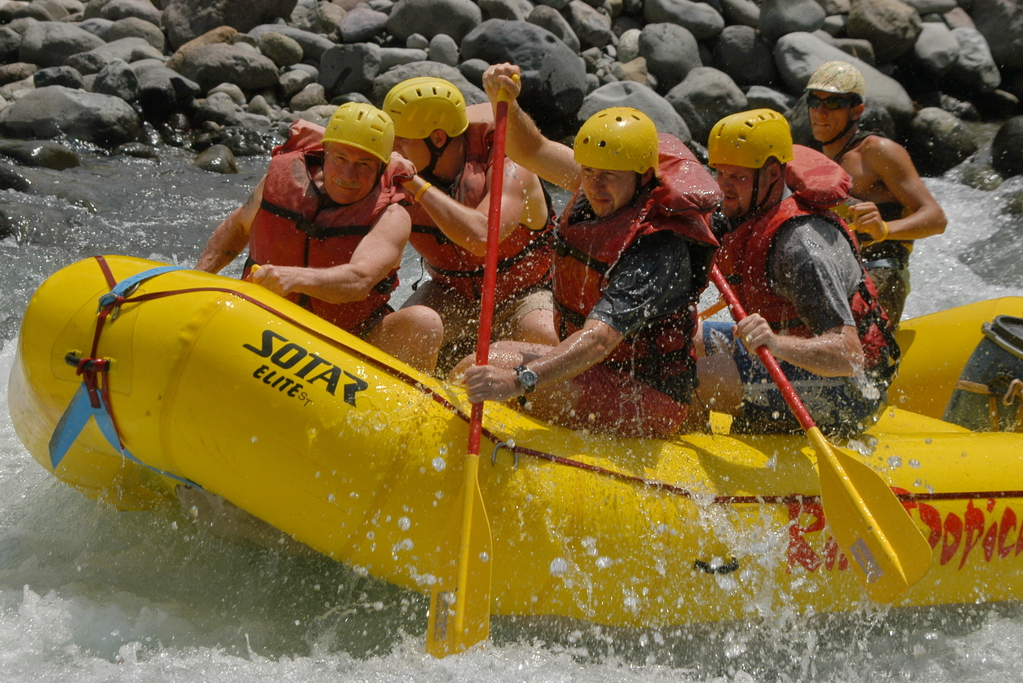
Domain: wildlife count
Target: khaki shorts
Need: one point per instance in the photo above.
(462, 321)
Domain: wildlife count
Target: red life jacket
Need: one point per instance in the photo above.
(298, 225)
(817, 183)
(524, 256)
(586, 249)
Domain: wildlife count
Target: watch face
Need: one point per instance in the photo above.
(527, 378)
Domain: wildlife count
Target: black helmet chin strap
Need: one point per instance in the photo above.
(848, 127)
(435, 154)
(756, 207)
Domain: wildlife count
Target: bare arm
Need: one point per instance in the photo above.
(550, 160)
(893, 167)
(466, 226)
(377, 254)
(232, 235)
(835, 353)
(580, 351)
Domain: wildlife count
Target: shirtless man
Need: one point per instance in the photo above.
(891, 206)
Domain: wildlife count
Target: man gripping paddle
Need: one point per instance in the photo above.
(632, 251)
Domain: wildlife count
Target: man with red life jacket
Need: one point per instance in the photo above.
(890, 206)
(451, 146)
(794, 266)
(325, 229)
(632, 252)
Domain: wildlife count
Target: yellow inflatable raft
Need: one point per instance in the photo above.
(217, 384)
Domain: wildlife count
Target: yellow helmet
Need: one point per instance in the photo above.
(363, 126)
(749, 139)
(618, 139)
(422, 105)
(840, 78)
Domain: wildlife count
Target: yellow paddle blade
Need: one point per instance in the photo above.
(869, 523)
(460, 611)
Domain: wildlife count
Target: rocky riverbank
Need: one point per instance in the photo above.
(226, 77)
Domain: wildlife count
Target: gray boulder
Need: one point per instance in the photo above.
(554, 21)
(780, 17)
(313, 95)
(891, 26)
(473, 70)
(17, 71)
(1006, 148)
(430, 17)
(638, 96)
(323, 17)
(163, 92)
(50, 43)
(115, 10)
(554, 78)
(40, 153)
(923, 7)
(313, 44)
(748, 60)
(349, 68)
(279, 48)
(133, 27)
(511, 10)
(703, 98)
(1001, 23)
(762, 97)
(218, 107)
(443, 49)
(741, 12)
(938, 141)
(975, 67)
(591, 27)
(126, 50)
(293, 81)
(670, 51)
(211, 65)
(53, 111)
(361, 24)
(936, 49)
(216, 159)
(188, 19)
(798, 55)
(391, 57)
(702, 20)
(10, 41)
(117, 79)
(59, 75)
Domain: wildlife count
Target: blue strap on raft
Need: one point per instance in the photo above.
(88, 401)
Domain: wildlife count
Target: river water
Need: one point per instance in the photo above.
(91, 594)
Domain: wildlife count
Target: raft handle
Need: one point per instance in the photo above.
(510, 445)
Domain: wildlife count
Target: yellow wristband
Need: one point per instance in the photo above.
(419, 194)
(884, 235)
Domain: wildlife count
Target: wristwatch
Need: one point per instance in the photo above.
(527, 378)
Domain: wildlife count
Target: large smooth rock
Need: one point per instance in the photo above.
(891, 26)
(163, 92)
(117, 79)
(279, 48)
(50, 43)
(702, 20)
(211, 65)
(671, 52)
(1007, 148)
(744, 56)
(133, 27)
(554, 78)
(313, 44)
(349, 68)
(741, 12)
(798, 55)
(188, 19)
(592, 28)
(1001, 23)
(781, 17)
(975, 67)
(705, 97)
(936, 49)
(10, 41)
(638, 96)
(47, 113)
(115, 10)
(430, 17)
(125, 50)
(40, 153)
(938, 141)
(361, 24)
(66, 76)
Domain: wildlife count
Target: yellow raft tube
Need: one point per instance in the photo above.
(219, 384)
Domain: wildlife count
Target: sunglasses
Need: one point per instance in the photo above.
(830, 103)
